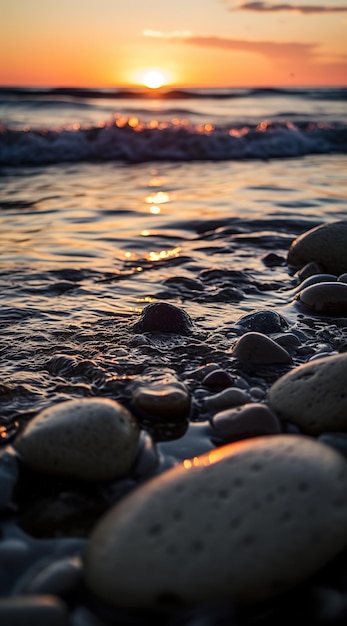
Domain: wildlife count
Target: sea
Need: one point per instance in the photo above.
(114, 199)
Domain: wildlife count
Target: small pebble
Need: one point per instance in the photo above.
(33, 610)
(218, 379)
(226, 399)
(313, 395)
(258, 349)
(165, 318)
(88, 438)
(309, 269)
(328, 298)
(325, 244)
(248, 420)
(242, 523)
(161, 395)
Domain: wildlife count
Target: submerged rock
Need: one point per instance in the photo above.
(325, 244)
(241, 523)
(88, 438)
(313, 396)
(165, 318)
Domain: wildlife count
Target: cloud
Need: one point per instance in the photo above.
(306, 9)
(264, 48)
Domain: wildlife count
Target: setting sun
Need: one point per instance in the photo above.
(154, 79)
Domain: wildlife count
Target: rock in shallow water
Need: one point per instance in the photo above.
(160, 394)
(325, 244)
(313, 396)
(242, 523)
(165, 318)
(93, 439)
(329, 298)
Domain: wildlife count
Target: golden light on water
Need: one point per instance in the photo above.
(163, 254)
(157, 198)
(154, 209)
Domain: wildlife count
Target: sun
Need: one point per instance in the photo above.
(154, 79)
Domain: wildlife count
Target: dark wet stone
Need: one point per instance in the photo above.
(325, 244)
(165, 318)
(329, 298)
(273, 260)
(242, 422)
(263, 322)
(218, 379)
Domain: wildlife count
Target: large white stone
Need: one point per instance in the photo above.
(88, 438)
(313, 395)
(242, 523)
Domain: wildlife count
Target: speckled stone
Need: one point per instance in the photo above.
(313, 396)
(325, 244)
(249, 420)
(242, 523)
(160, 394)
(258, 349)
(88, 438)
(165, 318)
(329, 298)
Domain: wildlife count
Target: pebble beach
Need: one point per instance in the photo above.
(173, 404)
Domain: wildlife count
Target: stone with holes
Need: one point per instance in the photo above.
(87, 438)
(313, 395)
(241, 523)
(325, 244)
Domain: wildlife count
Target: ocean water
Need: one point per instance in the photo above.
(114, 199)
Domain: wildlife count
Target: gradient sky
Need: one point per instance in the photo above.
(226, 43)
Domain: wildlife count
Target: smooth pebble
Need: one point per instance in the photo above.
(88, 438)
(249, 420)
(242, 523)
(325, 244)
(329, 298)
(226, 399)
(313, 395)
(160, 394)
(258, 349)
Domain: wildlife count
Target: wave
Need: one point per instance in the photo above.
(131, 141)
(325, 93)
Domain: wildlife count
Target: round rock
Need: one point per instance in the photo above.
(93, 439)
(165, 318)
(242, 523)
(325, 244)
(263, 322)
(160, 394)
(313, 396)
(329, 298)
(250, 420)
(258, 349)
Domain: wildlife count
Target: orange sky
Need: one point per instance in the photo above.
(195, 43)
